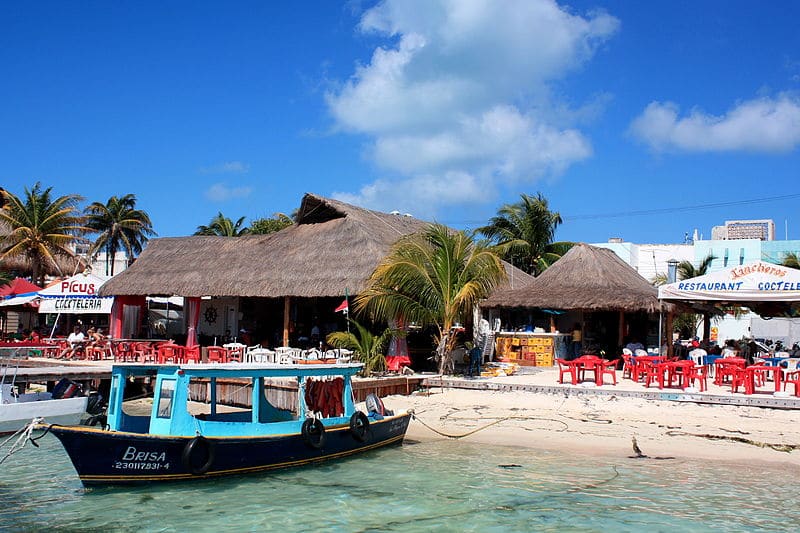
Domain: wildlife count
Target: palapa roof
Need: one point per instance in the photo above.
(586, 278)
(332, 246)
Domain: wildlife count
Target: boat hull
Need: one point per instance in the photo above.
(65, 411)
(103, 457)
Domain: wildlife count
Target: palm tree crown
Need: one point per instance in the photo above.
(222, 226)
(791, 260)
(41, 228)
(523, 234)
(120, 226)
(686, 270)
(433, 278)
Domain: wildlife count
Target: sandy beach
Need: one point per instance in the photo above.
(604, 425)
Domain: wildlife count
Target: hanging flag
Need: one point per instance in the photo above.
(344, 306)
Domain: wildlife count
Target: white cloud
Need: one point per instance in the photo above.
(229, 167)
(760, 125)
(444, 95)
(220, 192)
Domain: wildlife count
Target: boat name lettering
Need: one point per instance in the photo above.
(131, 454)
(772, 270)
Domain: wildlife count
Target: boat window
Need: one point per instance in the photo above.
(165, 398)
(112, 402)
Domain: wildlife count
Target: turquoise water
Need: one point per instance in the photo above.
(431, 486)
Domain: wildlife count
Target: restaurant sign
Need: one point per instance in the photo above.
(76, 295)
(754, 282)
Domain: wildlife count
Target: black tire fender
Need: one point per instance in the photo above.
(313, 432)
(198, 449)
(359, 426)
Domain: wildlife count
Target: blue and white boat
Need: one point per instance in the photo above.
(318, 421)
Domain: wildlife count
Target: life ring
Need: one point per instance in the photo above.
(198, 449)
(313, 432)
(359, 426)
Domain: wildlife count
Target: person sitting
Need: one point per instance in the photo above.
(76, 341)
(634, 345)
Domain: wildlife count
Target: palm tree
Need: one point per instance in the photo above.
(263, 226)
(791, 260)
(222, 226)
(368, 348)
(523, 234)
(41, 228)
(689, 322)
(120, 226)
(686, 270)
(434, 278)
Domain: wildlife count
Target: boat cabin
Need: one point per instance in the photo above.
(323, 391)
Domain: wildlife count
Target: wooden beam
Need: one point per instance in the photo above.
(286, 300)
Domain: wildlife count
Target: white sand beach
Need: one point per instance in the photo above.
(604, 425)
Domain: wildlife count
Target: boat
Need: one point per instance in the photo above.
(62, 406)
(297, 414)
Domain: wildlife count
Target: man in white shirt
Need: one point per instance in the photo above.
(76, 340)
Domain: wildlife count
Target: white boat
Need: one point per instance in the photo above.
(18, 409)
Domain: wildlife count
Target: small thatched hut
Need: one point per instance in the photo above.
(605, 295)
(331, 248)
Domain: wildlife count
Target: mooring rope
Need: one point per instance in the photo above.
(503, 419)
(22, 436)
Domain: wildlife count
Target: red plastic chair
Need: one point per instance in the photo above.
(191, 354)
(608, 368)
(217, 354)
(170, 353)
(565, 367)
(143, 352)
(698, 373)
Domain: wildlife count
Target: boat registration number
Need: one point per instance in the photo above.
(133, 459)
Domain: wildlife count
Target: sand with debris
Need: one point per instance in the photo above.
(605, 425)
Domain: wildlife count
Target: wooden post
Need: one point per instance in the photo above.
(621, 336)
(668, 328)
(286, 300)
(706, 329)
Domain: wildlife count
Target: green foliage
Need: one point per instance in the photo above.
(435, 277)
(366, 347)
(40, 228)
(222, 226)
(523, 234)
(120, 227)
(264, 226)
(791, 260)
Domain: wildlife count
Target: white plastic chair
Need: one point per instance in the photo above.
(640, 352)
(791, 366)
(626, 351)
(698, 355)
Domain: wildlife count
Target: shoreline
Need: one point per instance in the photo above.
(604, 425)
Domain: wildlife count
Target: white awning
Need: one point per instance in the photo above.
(753, 282)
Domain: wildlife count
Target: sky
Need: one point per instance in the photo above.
(635, 120)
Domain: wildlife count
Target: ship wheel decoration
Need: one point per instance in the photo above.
(211, 315)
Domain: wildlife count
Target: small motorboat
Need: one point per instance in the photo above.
(289, 415)
(17, 408)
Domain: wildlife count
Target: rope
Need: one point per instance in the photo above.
(22, 436)
(451, 436)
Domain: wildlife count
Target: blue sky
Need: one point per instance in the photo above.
(639, 120)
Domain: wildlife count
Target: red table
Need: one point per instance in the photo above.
(747, 377)
(673, 370)
(727, 367)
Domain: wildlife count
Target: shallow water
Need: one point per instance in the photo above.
(441, 486)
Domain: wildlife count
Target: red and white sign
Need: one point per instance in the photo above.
(77, 295)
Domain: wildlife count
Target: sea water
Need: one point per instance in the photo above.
(430, 486)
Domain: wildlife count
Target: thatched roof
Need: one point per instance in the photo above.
(332, 246)
(586, 278)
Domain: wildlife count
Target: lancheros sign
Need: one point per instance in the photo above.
(759, 281)
(76, 295)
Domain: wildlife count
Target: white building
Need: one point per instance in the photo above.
(736, 243)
